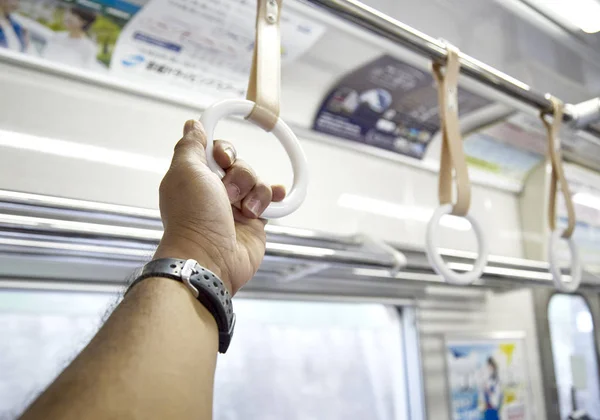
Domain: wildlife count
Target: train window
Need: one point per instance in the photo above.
(312, 360)
(288, 359)
(574, 354)
(41, 333)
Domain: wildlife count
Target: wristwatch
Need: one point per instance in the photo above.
(203, 284)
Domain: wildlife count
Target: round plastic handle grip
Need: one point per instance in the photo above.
(296, 195)
(562, 286)
(436, 260)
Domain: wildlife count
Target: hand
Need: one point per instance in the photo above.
(216, 222)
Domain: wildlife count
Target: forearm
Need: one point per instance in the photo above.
(154, 358)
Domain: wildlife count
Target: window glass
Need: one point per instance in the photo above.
(288, 359)
(41, 333)
(574, 354)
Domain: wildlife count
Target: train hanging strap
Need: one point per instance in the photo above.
(558, 174)
(452, 159)
(265, 74)
(262, 107)
(558, 177)
(452, 154)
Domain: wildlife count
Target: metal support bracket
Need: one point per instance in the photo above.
(584, 113)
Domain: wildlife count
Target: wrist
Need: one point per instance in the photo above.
(172, 295)
(200, 282)
(181, 248)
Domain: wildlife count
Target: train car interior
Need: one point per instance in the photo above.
(437, 255)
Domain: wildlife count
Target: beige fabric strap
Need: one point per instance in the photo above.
(265, 75)
(452, 155)
(558, 174)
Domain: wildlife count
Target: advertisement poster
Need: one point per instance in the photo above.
(512, 148)
(488, 378)
(81, 34)
(202, 45)
(585, 189)
(388, 104)
(190, 45)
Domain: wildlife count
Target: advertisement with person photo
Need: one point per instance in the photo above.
(13, 34)
(200, 48)
(80, 34)
(487, 379)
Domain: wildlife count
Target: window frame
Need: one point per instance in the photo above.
(541, 299)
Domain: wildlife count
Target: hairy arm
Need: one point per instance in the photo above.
(154, 358)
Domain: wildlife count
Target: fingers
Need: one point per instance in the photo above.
(278, 193)
(224, 154)
(257, 200)
(250, 195)
(239, 180)
(192, 145)
(245, 191)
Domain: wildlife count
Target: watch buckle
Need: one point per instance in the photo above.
(188, 270)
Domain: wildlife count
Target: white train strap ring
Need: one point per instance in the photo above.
(435, 259)
(553, 259)
(242, 107)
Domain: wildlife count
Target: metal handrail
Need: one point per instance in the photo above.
(383, 25)
(39, 228)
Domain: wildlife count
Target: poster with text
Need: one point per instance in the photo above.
(487, 378)
(202, 45)
(186, 45)
(388, 104)
(513, 147)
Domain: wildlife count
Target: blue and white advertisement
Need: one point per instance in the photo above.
(488, 379)
(188, 46)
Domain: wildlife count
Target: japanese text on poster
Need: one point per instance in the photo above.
(191, 45)
(388, 104)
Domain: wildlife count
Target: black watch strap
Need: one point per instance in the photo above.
(203, 284)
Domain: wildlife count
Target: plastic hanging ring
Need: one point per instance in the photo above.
(562, 286)
(287, 138)
(436, 260)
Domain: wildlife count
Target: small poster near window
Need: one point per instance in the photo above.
(488, 377)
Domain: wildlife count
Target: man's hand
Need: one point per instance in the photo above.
(214, 221)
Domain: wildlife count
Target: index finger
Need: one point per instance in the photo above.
(224, 154)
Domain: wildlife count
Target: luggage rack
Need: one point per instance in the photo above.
(104, 243)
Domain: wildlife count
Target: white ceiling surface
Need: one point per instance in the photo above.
(62, 108)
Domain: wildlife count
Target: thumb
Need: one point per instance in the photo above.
(192, 146)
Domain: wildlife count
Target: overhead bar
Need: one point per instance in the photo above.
(33, 225)
(424, 45)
